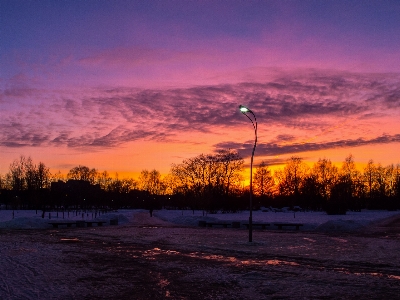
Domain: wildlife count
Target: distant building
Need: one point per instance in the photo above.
(78, 193)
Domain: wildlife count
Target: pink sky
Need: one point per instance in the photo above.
(124, 86)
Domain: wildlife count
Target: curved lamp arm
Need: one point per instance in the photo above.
(244, 110)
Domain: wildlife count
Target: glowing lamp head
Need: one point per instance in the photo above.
(243, 109)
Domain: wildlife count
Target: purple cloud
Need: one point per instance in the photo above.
(113, 116)
(272, 149)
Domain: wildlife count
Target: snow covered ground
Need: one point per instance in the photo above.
(168, 256)
(318, 221)
(32, 219)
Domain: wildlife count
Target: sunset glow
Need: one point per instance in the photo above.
(124, 86)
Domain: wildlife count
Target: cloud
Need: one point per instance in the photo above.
(16, 135)
(274, 149)
(293, 105)
(19, 86)
(285, 137)
(274, 161)
(121, 135)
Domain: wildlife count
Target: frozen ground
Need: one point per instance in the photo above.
(168, 256)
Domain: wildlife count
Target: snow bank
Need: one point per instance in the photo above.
(122, 218)
(25, 223)
(318, 221)
(30, 219)
(341, 225)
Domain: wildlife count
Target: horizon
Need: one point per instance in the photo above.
(245, 181)
(123, 86)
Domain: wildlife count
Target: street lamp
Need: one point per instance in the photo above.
(244, 110)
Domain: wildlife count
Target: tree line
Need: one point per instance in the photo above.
(211, 182)
(325, 186)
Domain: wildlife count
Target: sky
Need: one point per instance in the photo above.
(125, 86)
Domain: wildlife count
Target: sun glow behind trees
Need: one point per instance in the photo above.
(215, 181)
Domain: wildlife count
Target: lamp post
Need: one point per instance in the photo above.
(244, 110)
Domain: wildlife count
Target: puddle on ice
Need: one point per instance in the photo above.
(147, 227)
(374, 274)
(70, 240)
(310, 240)
(152, 253)
(276, 262)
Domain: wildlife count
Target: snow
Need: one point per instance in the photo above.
(168, 256)
(319, 221)
(313, 221)
(32, 219)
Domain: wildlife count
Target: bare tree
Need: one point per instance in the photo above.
(263, 182)
(349, 170)
(57, 177)
(105, 180)
(43, 176)
(123, 186)
(208, 178)
(3, 184)
(353, 177)
(326, 175)
(392, 173)
(381, 181)
(128, 184)
(369, 176)
(290, 178)
(228, 165)
(25, 175)
(16, 175)
(28, 181)
(195, 176)
(170, 185)
(397, 184)
(30, 174)
(151, 182)
(83, 173)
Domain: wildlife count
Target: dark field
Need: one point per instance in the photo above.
(152, 259)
